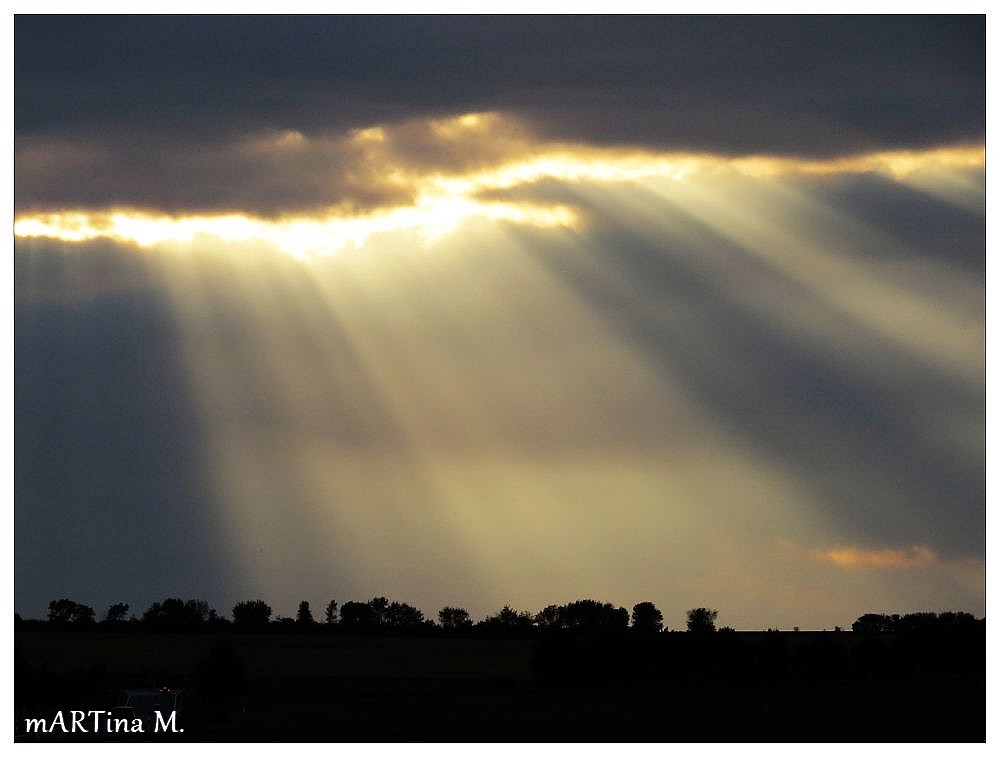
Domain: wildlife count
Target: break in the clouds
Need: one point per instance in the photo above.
(687, 310)
(203, 114)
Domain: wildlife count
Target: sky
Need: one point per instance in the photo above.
(484, 310)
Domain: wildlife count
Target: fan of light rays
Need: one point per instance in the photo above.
(466, 403)
(828, 255)
(418, 422)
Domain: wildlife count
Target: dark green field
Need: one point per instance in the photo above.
(338, 687)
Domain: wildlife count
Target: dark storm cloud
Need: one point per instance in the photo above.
(157, 102)
(881, 80)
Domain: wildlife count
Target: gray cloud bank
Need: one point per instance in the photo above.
(153, 110)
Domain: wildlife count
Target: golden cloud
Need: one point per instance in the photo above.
(317, 194)
(854, 557)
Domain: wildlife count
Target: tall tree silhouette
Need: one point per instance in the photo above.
(304, 616)
(379, 607)
(330, 613)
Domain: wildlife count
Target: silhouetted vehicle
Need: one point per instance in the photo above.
(146, 703)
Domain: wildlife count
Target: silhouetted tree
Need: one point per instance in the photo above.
(874, 623)
(965, 619)
(68, 611)
(330, 613)
(647, 618)
(701, 620)
(402, 615)
(116, 613)
(932, 622)
(956, 620)
(357, 615)
(197, 609)
(508, 618)
(251, 612)
(379, 607)
(304, 616)
(583, 615)
(177, 612)
(914, 622)
(589, 614)
(549, 617)
(454, 618)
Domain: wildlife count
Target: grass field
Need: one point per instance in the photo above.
(272, 658)
(361, 688)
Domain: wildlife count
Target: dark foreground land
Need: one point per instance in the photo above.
(741, 686)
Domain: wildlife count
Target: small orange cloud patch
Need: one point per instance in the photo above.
(852, 557)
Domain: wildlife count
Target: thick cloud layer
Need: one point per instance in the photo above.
(793, 82)
(112, 110)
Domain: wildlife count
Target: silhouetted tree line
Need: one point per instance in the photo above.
(581, 643)
(914, 622)
(591, 640)
(66, 611)
(920, 644)
(379, 613)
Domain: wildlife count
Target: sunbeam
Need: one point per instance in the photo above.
(574, 370)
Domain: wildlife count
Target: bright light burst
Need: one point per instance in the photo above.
(431, 217)
(443, 200)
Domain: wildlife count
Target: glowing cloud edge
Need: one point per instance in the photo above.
(444, 200)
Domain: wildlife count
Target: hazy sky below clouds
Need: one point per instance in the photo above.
(486, 310)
